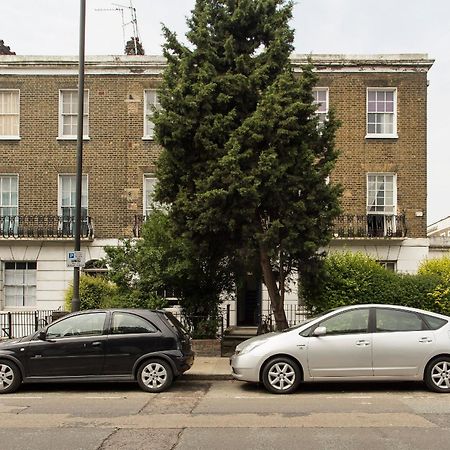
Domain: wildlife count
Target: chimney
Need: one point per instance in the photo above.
(5, 50)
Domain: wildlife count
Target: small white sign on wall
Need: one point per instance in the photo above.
(75, 259)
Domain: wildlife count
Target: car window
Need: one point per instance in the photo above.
(396, 320)
(82, 325)
(434, 322)
(125, 323)
(348, 322)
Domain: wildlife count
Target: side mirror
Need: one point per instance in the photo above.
(320, 331)
(42, 336)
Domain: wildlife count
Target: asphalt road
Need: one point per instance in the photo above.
(224, 415)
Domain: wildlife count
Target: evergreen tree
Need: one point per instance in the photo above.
(245, 163)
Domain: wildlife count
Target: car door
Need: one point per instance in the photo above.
(130, 337)
(73, 346)
(401, 343)
(346, 348)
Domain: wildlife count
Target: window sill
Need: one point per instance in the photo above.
(72, 138)
(381, 136)
(10, 138)
(148, 138)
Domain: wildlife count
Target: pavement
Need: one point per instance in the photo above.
(209, 368)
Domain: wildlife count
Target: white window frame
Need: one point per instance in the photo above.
(389, 211)
(148, 114)
(394, 114)
(322, 115)
(61, 135)
(25, 286)
(154, 205)
(8, 175)
(60, 205)
(13, 114)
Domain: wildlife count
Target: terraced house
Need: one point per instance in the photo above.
(381, 101)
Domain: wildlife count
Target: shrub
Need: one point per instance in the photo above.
(95, 292)
(355, 278)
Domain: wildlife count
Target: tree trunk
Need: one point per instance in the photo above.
(276, 300)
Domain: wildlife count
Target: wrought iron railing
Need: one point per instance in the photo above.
(15, 324)
(345, 226)
(43, 227)
(370, 226)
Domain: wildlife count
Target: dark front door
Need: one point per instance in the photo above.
(249, 299)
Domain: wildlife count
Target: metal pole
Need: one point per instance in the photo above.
(79, 176)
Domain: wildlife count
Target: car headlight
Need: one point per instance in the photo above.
(250, 347)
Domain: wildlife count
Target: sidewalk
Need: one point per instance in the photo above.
(209, 368)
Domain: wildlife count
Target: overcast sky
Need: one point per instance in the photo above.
(50, 27)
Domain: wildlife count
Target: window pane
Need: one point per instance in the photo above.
(355, 321)
(394, 320)
(83, 325)
(124, 323)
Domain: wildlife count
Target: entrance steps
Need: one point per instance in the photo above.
(233, 336)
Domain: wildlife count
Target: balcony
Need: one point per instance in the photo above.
(43, 227)
(370, 226)
(346, 226)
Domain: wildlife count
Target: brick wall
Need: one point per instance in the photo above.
(116, 157)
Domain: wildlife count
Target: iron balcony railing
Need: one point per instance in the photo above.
(345, 226)
(370, 226)
(43, 227)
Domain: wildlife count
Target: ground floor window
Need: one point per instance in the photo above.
(389, 265)
(20, 283)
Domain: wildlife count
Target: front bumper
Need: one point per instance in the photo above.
(244, 368)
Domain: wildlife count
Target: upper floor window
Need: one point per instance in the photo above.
(381, 204)
(68, 114)
(321, 100)
(149, 193)
(9, 113)
(9, 203)
(67, 202)
(150, 104)
(382, 112)
(9, 194)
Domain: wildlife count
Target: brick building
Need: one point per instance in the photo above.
(380, 99)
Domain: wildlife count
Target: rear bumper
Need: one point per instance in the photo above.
(184, 362)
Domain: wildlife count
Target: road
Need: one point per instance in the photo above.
(224, 415)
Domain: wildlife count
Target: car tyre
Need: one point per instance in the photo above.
(437, 375)
(281, 375)
(155, 375)
(10, 377)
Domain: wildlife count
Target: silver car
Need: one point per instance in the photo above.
(359, 342)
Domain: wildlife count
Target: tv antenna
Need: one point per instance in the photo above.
(133, 22)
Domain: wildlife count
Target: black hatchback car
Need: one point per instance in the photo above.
(150, 347)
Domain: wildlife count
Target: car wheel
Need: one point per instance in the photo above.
(155, 375)
(281, 376)
(10, 377)
(437, 375)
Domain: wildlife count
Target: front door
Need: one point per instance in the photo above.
(249, 299)
(346, 348)
(73, 346)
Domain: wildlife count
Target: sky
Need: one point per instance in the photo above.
(51, 27)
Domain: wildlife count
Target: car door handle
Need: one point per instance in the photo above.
(425, 340)
(363, 343)
(96, 344)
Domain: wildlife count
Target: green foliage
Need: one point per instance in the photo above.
(95, 292)
(244, 163)
(161, 260)
(355, 278)
(440, 295)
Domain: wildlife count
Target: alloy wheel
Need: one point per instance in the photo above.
(154, 375)
(281, 376)
(6, 377)
(440, 375)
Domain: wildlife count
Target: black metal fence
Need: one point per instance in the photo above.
(41, 226)
(17, 324)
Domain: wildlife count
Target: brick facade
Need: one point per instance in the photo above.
(116, 157)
